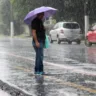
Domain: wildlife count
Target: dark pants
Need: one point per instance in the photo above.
(39, 57)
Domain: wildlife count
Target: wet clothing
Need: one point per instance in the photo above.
(39, 57)
(37, 25)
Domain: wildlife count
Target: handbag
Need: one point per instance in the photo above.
(47, 42)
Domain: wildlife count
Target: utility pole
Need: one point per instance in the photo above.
(11, 23)
(86, 9)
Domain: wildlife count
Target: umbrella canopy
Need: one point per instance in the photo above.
(48, 11)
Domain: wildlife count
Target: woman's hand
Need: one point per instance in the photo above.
(37, 44)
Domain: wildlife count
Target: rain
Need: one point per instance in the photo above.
(69, 65)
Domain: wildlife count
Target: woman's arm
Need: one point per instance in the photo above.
(35, 38)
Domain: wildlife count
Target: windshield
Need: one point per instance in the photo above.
(71, 25)
(94, 27)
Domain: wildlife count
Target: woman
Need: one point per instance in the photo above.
(38, 33)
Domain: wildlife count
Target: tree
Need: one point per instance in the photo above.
(5, 16)
(67, 9)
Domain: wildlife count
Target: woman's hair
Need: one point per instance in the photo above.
(39, 14)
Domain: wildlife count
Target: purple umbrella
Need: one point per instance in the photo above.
(48, 11)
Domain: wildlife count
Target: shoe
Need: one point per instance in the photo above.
(39, 73)
(42, 73)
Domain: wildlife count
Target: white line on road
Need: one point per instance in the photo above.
(91, 82)
(67, 67)
(64, 93)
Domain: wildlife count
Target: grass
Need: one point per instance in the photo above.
(17, 36)
(3, 36)
(22, 36)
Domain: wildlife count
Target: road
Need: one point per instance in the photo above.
(70, 69)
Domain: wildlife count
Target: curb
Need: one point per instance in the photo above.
(13, 90)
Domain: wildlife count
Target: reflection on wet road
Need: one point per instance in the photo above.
(71, 69)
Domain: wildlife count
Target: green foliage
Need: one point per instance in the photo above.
(4, 16)
(67, 9)
(12, 1)
(22, 7)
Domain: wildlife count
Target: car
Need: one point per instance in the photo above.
(66, 32)
(90, 37)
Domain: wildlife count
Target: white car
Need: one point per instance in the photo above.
(66, 31)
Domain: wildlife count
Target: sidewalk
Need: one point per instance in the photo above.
(3, 93)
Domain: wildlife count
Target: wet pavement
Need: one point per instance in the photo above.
(3, 93)
(70, 69)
